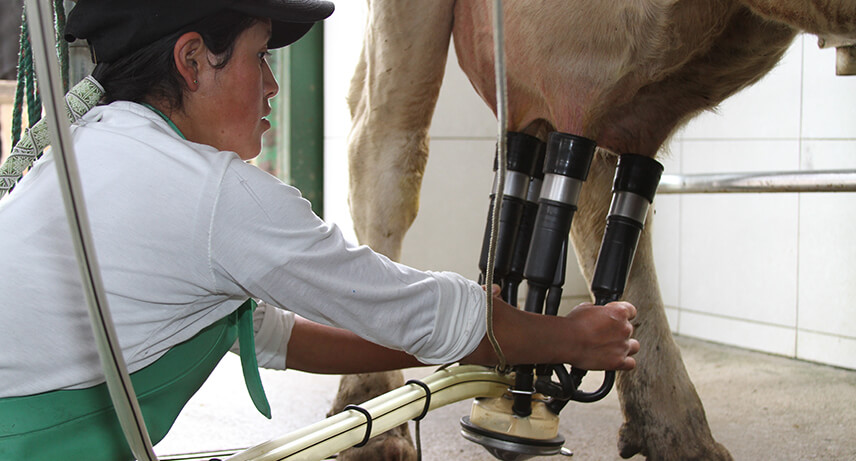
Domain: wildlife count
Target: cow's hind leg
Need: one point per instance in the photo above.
(664, 417)
(393, 445)
(392, 98)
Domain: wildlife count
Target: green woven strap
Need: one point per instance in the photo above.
(79, 100)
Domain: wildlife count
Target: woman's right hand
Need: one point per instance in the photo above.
(589, 337)
(599, 337)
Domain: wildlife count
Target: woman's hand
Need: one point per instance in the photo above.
(601, 335)
(589, 337)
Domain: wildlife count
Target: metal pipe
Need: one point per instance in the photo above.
(845, 53)
(784, 181)
(346, 429)
(119, 385)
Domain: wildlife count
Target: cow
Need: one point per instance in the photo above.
(624, 73)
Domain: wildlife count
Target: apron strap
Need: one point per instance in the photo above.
(249, 364)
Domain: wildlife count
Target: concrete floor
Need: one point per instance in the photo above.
(761, 407)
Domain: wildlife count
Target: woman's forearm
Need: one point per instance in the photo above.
(317, 348)
(590, 337)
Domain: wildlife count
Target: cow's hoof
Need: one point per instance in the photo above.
(667, 447)
(629, 442)
(391, 446)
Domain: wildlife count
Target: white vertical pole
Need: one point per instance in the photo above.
(40, 17)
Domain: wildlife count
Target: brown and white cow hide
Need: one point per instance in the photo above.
(625, 73)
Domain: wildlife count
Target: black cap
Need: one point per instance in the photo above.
(115, 28)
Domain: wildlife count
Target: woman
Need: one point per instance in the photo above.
(186, 231)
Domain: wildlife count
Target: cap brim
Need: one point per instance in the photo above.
(286, 10)
(290, 19)
(286, 33)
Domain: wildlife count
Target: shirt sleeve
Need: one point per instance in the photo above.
(266, 242)
(272, 329)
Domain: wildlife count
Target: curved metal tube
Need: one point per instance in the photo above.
(346, 429)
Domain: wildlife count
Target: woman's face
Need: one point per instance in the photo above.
(231, 102)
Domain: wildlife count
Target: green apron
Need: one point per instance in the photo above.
(82, 424)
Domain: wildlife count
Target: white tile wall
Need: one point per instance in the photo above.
(336, 209)
(828, 100)
(769, 109)
(829, 349)
(447, 233)
(665, 227)
(673, 317)
(770, 272)
(343, 34)
(343, 38)
(460, 112)
(718, 232)
(827, 227)
(738, 332)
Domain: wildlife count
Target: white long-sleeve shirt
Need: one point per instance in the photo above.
(183, 234)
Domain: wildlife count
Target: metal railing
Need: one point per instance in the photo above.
(784, 181)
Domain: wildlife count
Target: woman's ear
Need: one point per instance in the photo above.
(189, 52)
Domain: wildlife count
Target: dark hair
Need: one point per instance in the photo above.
(151, 72)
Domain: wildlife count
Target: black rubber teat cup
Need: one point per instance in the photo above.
(636, 180)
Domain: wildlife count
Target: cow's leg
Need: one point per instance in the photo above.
(393, 445)
(664, 418)
(392, 98)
